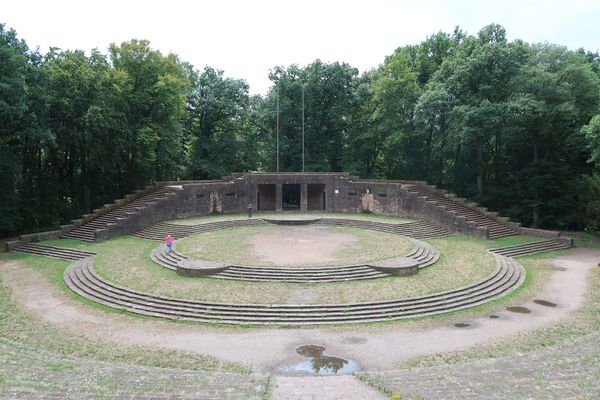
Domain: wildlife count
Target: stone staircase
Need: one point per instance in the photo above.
(423, 253)
(530, 248)
(82, 279)
(119, 212)
(62, 253)
(496, 226)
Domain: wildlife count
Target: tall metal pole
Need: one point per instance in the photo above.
(277, 90)
(302, 128)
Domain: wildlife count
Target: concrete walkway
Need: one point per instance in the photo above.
(323, 388)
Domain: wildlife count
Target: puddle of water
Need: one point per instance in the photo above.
(519, 309)
(462, 325)
(319, 364)
(545, 303)
(493, 316)
(559, 268)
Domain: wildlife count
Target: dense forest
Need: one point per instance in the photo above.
(512, 125)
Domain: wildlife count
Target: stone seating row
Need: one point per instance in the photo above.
(530, 248)
(62, 253)
(416, 229)
(82, 279)
(160, 230)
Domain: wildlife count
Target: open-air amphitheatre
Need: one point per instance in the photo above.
(363, 277)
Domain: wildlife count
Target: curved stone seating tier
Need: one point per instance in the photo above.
(417, 229)
(421, 256)
(162, 229)
(530, 248)
(82, 279)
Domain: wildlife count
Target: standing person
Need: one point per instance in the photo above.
(249, 210)
(169, 241)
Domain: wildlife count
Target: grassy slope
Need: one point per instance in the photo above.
(17, 325)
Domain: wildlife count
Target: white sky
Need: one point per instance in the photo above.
(247, 38)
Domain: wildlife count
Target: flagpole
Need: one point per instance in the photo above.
(277, 90)
(302, 128)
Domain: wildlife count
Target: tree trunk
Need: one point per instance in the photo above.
(536, 208)
(479, 169)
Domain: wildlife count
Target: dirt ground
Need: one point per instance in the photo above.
(269, 348)
(301, 246)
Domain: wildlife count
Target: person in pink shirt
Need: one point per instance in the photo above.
(169, 240)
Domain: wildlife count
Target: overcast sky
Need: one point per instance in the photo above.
(247, 38)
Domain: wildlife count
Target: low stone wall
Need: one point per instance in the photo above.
(36, 237)
(555, 235)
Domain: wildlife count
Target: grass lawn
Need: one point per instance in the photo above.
(17, 325)
(588, 239)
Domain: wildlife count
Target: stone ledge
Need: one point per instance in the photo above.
(397, 266)
(198, 268)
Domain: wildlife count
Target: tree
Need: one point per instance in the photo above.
(328, 98)
(592, 134)
(217, 113)
(153, 91)
(22, 130)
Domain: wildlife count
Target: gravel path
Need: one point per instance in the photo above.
(323, 388)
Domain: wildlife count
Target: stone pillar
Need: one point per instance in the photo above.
(330, 198)
(304, 197)
(278, 197)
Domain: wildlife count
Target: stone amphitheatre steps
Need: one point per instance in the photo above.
(82, 279)
(417, 229)
(496, 229)
(423, 253)
(62, 253)
(530, 248)
(160, 230)
(86, 231)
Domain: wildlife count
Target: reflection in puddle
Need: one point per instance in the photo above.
(493, 316)
(519, 309)
(462, 325)
(544, 303)
(319, 364)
